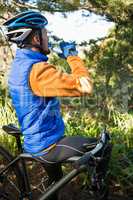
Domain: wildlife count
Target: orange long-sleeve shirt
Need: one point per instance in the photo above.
(46, 80)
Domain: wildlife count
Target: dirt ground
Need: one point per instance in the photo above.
(74, 190)
(71, 192)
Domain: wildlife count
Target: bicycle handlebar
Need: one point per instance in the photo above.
(90, 155)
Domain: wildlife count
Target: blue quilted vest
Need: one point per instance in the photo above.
(39, 117)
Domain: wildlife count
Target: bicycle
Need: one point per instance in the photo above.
(14, 179)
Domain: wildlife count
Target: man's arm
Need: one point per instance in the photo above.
(46, 80)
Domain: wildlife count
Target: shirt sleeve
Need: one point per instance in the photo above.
(46, 80)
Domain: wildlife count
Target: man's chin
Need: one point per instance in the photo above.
(46, 52)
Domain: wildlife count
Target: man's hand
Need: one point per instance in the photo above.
(68, 49)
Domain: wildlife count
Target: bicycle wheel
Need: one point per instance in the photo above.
(10, 180)
(101, 189)
(100, 178)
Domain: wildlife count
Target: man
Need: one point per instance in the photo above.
(34, 86)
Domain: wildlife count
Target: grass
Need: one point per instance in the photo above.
(7, 116)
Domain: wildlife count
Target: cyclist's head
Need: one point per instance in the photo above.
(28, 30)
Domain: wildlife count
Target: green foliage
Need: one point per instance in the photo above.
(7, 116)
(121, 165)
(61, 64)
(60, 5)
(120, 11)
(121, 168)
(112, 63)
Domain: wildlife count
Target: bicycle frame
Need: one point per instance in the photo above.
(49, 192)
(81, 165)
(24, 175)
(63, 181)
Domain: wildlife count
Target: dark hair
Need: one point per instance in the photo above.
(28, 40)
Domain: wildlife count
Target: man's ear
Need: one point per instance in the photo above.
(36, 39)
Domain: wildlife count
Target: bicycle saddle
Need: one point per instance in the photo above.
(11, 129)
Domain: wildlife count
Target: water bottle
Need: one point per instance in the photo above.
(55, 47)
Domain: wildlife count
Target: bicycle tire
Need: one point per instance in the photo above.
(10, 181)
(102, 193)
